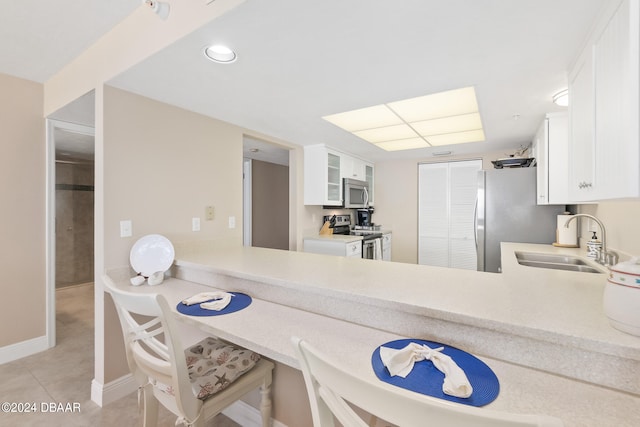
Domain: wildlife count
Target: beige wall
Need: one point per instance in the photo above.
(162, 166)
(269, 205)
(22, 217)
(396, 200)
(621, 220)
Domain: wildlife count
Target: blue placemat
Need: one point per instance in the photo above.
(238, 302)
(427, 379)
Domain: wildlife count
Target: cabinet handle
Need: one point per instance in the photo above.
(584, 184)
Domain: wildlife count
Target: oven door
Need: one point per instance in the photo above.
(372, 248)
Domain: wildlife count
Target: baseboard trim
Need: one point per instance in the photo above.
(103, 394)
(246, 415)
(16, 351)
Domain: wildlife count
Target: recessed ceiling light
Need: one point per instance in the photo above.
(443, 118)
(562, 98)
(220, 53)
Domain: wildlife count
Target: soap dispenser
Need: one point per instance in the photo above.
(594, 246)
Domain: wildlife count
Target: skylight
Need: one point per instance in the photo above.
(443, 118)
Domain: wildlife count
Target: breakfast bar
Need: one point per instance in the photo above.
(528, 325)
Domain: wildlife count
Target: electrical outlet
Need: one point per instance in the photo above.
(208, 213)
(126, 229)
(195, 224)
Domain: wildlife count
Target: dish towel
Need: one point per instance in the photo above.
(377, 249)
(220, 300)
(400, 362)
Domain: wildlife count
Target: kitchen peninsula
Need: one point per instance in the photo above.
(543, 332)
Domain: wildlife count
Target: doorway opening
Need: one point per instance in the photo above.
(74, 190)
(265, 194)
(70, 204)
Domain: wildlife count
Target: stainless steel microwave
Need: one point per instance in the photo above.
(355, 193)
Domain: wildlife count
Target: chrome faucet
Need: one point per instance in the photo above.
(604, 257)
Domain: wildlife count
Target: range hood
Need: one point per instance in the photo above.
(513, 162)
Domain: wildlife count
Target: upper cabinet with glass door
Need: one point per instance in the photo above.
(324, 169)
(604, 94)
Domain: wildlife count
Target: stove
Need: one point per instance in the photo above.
(342, 225)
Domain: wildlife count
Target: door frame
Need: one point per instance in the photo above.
(247, 195)
(50, 226)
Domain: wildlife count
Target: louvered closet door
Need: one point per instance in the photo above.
(447, 201)
(433, 214)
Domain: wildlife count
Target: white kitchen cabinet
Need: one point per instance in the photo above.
(604, 109)
(581, 128)
(338, 246)
(369, 178)
(352, 167)
(386, 247)
(324, 169)
(551, 150)
(322, 176)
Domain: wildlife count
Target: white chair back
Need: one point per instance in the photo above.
(151, 359)
(331, 387)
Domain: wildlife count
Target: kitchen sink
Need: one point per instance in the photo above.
(555, 262)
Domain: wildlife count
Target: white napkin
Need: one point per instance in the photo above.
(400, 362)
(220, 300)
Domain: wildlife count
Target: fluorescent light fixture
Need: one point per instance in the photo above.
(403, 144)
(562, 98)
(443, 118)
(388, 133)
(437, 105)
(456, 138)
(365, 118)
(220, 53)
(451, 124)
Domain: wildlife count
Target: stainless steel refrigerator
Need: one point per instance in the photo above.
(507, 212)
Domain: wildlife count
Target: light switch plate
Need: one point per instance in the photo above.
(195, 224)
(232, 222)
(126, 229)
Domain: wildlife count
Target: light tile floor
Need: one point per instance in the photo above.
(63, 374)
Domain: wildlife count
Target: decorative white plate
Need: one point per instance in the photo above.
(150, 254)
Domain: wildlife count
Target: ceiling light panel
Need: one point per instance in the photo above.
(443, 118)
(388, 133)
(451, 124)
(365, 118)
(403, 144)
(443, 104)
(456, 138)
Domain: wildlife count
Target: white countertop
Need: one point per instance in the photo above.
(522, 300)
(538, 302)
(345, 238)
